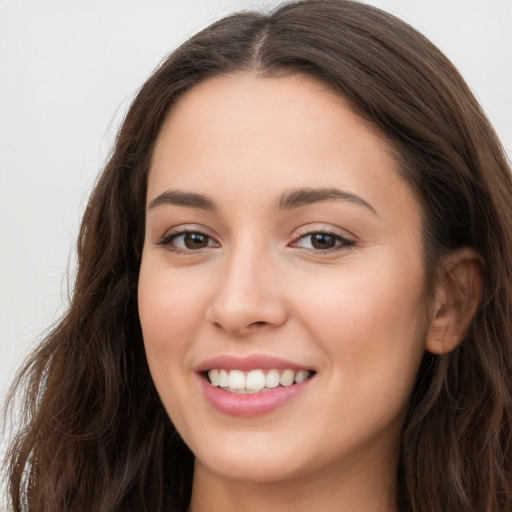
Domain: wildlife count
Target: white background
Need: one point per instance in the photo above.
(68, 70)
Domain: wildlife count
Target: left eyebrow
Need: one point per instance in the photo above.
(304, 196)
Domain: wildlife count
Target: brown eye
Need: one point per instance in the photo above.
(195, 240)
(323, 241)
(187, 241)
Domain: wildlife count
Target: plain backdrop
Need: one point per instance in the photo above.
(68, 70)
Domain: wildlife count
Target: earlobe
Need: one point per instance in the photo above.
(457, 297)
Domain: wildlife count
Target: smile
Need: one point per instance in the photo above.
(252, 385)
(255, 381)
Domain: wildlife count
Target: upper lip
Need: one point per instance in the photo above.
(248, 363)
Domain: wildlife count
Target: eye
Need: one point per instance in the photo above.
(187, 241)
(322, 241)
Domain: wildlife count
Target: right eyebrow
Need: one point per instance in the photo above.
(186, 199)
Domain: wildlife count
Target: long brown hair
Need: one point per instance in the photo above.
(96, 436)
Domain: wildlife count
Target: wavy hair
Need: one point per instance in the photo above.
(95, 435)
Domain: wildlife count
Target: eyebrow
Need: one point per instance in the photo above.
(291, 199)
(186, 199)
(305, 196)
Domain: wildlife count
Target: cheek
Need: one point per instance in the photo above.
(169, 307)
(169, 311)
(372, 324)
(169, 315)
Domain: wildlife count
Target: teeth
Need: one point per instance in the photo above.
(214, 377)
(223, 379)
(255, 381)
(287, 378)
(272, 379)
(236, 379)
(300, 376)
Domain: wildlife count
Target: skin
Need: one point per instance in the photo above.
(357, 314)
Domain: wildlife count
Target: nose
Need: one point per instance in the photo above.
(248, 296)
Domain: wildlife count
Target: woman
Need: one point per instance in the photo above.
(293, 286)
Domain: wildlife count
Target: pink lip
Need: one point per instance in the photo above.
(248, 363)
(256, 404)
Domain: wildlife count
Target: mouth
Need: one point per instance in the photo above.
(256, 380)
(253, 385)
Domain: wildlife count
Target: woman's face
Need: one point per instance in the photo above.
(281, 244)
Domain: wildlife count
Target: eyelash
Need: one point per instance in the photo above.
(168, 240)
(341, 243)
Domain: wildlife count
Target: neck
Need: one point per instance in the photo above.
(359, 490)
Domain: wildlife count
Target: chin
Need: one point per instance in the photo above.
(252, 467)
(252, 457)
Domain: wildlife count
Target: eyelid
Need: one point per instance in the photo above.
(187, 228)
(165, 240)
(319, 227)
(347, 242)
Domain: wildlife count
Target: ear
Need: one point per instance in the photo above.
(457, 296)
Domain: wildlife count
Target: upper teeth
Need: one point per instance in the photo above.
(255, 380)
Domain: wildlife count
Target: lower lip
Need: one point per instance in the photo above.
(256, 404)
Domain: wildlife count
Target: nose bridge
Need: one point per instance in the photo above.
(248, 292)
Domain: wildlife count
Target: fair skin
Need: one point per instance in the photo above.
(332, 282)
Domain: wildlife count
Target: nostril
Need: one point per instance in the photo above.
(257, 324)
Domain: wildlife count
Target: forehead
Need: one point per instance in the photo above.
(260, 103)
(243, 133)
